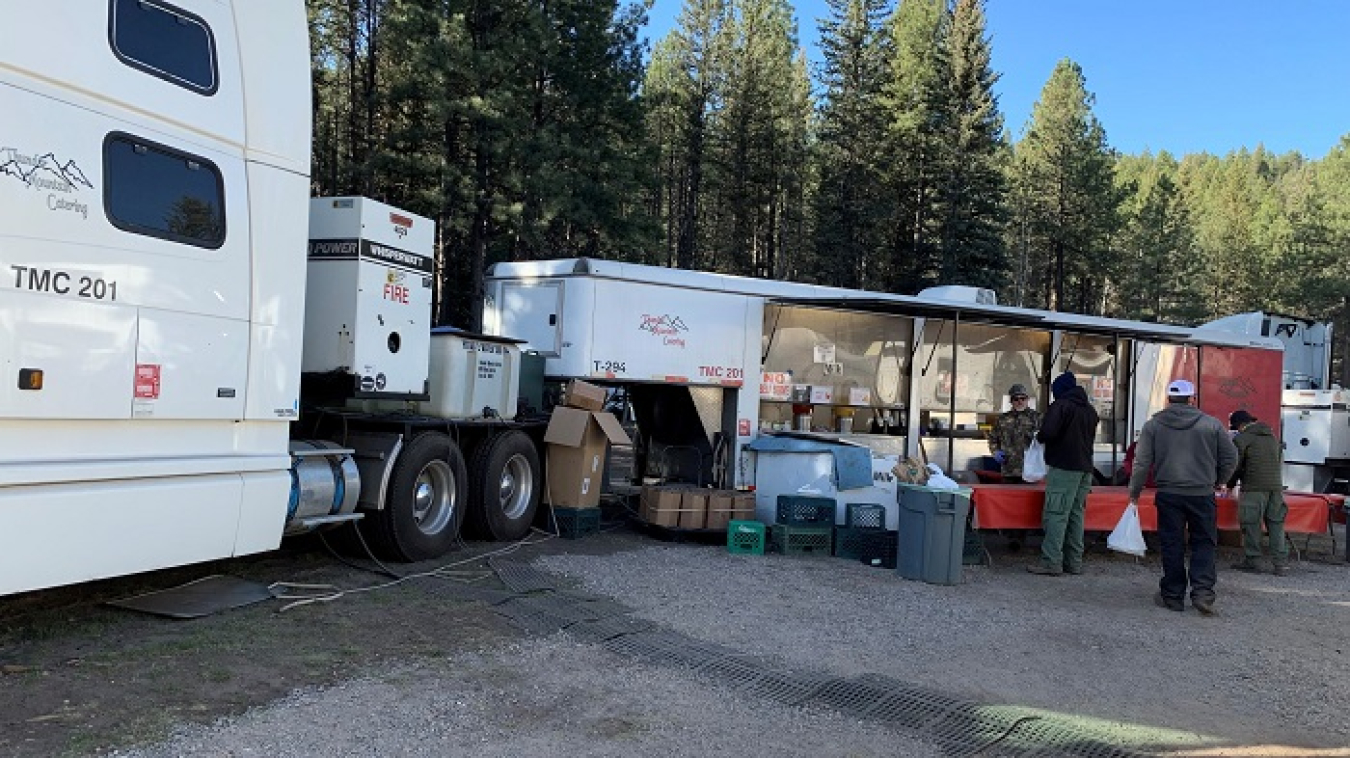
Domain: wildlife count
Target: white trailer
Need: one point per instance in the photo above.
(711, 361)
(154, 215)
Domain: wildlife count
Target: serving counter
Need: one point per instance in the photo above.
(1018, 506)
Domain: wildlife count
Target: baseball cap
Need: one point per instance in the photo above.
(1239, 418)
(1017, 389)
(1180, 388)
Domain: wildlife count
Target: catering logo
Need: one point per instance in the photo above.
(666, 326)
(62, 180)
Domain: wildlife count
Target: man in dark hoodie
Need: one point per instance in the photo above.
(1258, 470)
(1191, 457)
(1067, 432)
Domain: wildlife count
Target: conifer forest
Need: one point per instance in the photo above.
(537, 129)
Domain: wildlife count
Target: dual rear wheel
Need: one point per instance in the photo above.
(433, 494)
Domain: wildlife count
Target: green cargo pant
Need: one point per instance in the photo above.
(1269, 508)
(1062, 519)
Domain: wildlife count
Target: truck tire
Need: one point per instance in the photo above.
(505, 482)
(424, 506)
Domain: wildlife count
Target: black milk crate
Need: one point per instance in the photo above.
(866, 516)
(801, 540)
(806, 510)
(973, 552)
(848, 541)
(573, 523)
(878, 547)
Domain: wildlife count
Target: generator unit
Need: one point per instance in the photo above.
(368, 297)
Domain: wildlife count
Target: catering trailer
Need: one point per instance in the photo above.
(711, 362)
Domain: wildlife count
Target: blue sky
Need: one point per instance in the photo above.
(1178, 75)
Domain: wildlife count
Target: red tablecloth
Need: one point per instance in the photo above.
(1018, 506)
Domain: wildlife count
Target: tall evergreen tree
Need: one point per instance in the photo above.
(850, 215)
(700, 46)
(917, 100)
(974, 192)
(751, 134)
(1068, 196)
(1160, 264)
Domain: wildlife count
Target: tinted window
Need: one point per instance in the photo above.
(165, 41)
(153, 190)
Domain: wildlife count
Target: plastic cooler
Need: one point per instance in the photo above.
(932, 533)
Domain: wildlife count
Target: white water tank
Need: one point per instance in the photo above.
(473, 375)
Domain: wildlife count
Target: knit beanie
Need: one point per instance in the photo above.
(1062, 384)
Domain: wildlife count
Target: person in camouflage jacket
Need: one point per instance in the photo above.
(1012, 434)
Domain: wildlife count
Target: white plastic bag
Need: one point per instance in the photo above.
(1033, 463)
(1128, 537)
(940, 480)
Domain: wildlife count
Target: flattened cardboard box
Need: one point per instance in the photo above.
(584, 395)
(575, 455)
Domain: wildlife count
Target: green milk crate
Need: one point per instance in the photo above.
(801, 540)
(745, 538)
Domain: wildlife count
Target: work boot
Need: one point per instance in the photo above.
(1203, 604)
(1043, 570)
(1280, 569)
(1075, 570)
(1171, 605)
(1247, 564)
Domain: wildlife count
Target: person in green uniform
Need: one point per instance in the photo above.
(1012, 433)
(1262, 493)
(1068, 431)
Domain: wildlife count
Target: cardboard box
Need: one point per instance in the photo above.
(575, 455)
(663, 506)
(719, 509)
(584, 395)
(693, 508)
(725, 506)
(743, 506)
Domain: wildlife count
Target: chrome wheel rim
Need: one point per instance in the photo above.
(434, 498)
(516, 487)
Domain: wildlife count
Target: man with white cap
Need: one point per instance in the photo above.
(1191, 457)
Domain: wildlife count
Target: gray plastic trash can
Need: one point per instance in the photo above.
(932, 533)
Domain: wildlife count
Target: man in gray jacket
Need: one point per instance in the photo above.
(1191, 457)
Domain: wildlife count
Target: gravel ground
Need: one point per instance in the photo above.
(1266, 676)
(544, 697)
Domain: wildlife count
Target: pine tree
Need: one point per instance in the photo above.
(974, 193)
(917, 101)
(751, 136)
(1067, 195)
(850, 214)
(1160, 265)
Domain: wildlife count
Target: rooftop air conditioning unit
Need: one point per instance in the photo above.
(961, 293)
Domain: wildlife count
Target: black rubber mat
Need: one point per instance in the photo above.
(521, 577)
(202, 597)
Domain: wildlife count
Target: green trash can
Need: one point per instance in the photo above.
(932, 533)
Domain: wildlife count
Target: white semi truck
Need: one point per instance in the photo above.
(157, 324)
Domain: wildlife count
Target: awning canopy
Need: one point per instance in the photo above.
(1005, 316)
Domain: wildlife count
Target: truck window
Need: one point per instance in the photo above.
(160, 192)
(164, 41)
